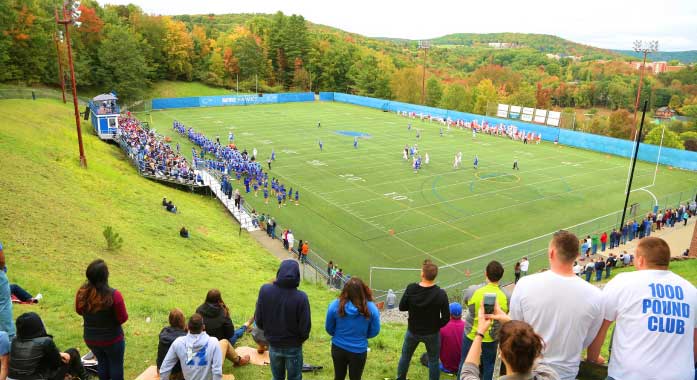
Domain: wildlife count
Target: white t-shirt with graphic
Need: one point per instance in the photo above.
(655, 319)
(565, 311)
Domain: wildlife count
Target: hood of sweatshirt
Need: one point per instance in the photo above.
(169, 334)
(194, 343)
(351, 310)
(423, 296)
(288, 275)
(210, 310)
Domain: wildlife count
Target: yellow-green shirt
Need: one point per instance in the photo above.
(473, 306)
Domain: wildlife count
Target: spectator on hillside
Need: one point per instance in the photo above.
(451, 340)
(685, 216)
(588, 270)
(599, 269)
(594, 243)
(609, 264)
(24, 296)
(171, 207)
(627, 259)
(4, 355)
(686, 252)
(283, 312)
(524, 265)
(164, 202)
(304, 250)
(390, 299)
(197, 353)
(34, 355)
(520, 347)
(516, 272)
(352, 320)
(216, 318)
(653, 306)
(103, 311)
(176, 328)
(330, 266)
(429, 310)
(184, 232)
(603, 241)
(577, 268)
(291, 240)
(6, 322)
(493, 274)
(542, 300)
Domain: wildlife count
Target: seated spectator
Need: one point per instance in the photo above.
(198, 354)
(686, 253)
(216, 317)
(171, 207)
(451, 340)
(23, 295)
(260, 339)
(34, 355)
(176, 328)
(164, 202)
(184, 232)
(352, 320)
(519, 345)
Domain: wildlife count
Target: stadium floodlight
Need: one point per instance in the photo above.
(424, 45)
(644, 47)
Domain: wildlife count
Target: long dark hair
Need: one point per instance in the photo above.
(95, 294)
(358, 293)
(214, 297)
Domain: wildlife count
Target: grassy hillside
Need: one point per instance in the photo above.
(177, 89)
(53, 213)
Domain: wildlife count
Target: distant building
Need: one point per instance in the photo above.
(664, 113)
(560, 56)
(501, 45)
(657, 67)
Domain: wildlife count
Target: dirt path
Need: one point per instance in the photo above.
(275, 246)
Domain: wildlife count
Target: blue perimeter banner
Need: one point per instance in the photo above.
(231, 100)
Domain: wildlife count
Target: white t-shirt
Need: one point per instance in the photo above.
(524, 265)
(565, 311)
(655, 319)
(577, 269)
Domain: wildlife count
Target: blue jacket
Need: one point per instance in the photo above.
(283, 311)
(352, 331)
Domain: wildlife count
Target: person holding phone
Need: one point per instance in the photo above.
(519, 346)
(486, 296)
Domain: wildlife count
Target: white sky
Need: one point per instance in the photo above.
(611, 24)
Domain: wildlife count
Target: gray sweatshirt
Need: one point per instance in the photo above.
(199, 355)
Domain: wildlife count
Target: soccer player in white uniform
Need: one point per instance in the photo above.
(455, 162)
(655, 321)
(427, 159)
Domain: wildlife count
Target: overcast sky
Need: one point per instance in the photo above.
(611, 24)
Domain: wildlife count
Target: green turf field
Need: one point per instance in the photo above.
(351, 199)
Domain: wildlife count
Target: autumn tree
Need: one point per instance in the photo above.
(670, 138)
(485, 94)
(122, 65)
(178, 47)
(620, 124)
(434, 92)
(406, 85)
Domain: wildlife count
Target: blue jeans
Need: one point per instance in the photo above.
(608, 271)
(598, 275)
(488, 357)
(110, 360)
(594, 247)
(432, 343)
(284, 360)
(603, 246)
(20, 293)
(237, 335)
(588, 275)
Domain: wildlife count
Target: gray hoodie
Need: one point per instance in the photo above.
(199, 355)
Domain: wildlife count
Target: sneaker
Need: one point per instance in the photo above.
(38, 298)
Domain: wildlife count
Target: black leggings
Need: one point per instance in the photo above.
(343, 359)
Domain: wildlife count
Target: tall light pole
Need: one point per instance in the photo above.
(58, 37)
(66, 19)
(645, 47)
(424, 45)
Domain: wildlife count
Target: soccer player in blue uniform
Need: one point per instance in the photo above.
(273, 155)
(409, 127)
(230, 137)
(320, 145)
(318, 124)
(280, 199)
(297, 197)
(476, 161)
(355, 143)
(418, 134)
(256, 188)
(266, 195)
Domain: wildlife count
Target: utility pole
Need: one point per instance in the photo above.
(637, 142)
(56, 38)
(424, 45)
(645, 48)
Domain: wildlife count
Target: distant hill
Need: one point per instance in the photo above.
(689, 56)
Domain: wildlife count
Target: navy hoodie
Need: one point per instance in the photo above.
(283, 311)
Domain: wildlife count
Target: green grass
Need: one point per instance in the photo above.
(352, 198)
(52, 214)
(176, 89)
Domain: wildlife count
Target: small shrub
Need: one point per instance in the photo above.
(113, 240)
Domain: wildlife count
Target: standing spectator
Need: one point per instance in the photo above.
(588, 270)
(283, 312)
(304, 250)
(34, 355)
(516, 272)
(176, 328)
(624, 235)
(494, 273)
(284, 238)
(103, 312)
(609, 264)
(685, 216)
(238, 198)
(542, 300)
(524, 265)
(659, 219)
(352, 320)
(291, 240)
(4, 355)
(603, 241)
(6, 322)
(330, 267)
(197, 353)
(451, 340)
(577, 268)
(594, 243)
(653, 306)
(391, 299)
(300, 248)
(216, 318)
(428, 309)
(272, 226)
(599, 269)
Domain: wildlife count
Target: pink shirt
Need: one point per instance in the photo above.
(451, 344)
